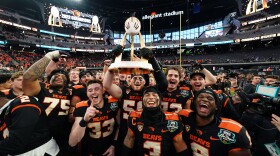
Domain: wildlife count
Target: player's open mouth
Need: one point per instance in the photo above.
(172, 82)
(94, 96)
(151, 103)
(203, 107)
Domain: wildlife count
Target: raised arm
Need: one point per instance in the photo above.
(111, 88)
(30, 83)
(209, 77)
(160, 77)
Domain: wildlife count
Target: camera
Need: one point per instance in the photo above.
(265, 101)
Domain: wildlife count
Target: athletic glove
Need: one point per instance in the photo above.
(55, 55)
(117, 51)
(198, 66)
(146, 53)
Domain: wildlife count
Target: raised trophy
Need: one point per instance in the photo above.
(138, 66)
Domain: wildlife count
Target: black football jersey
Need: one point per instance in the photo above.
(156, 139)
(131, 101)
(56, 104)
(3, 126)
(218, 138)
(176, 100)
(100, 130)
(80, 91)
(27, 126)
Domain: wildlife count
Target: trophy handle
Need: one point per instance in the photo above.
(132, 48)
(123, 40)
(142, 43)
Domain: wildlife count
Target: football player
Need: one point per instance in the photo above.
(96, 120)
(198, 82)
(55, 97)
(208, 134)
(5, 81)
(156, 132)
(25, 128)
(16, 89)
(175, 98)
(131, 97)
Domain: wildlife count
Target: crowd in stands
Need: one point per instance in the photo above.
(24, 60)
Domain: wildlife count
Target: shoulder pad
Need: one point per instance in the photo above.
(135, 114)
(185, 112)
(78, 86)
(82, 104)
(171, 116)
(112, 99)
(218, 91)
(230, 125)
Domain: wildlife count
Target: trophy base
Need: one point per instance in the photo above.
(131, 67)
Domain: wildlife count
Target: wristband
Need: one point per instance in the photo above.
(83, 123)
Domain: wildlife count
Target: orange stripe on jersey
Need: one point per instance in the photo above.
(184, 88)
(185, 112)
(78, 86)
(135, 114)
(230, 125)
(82, 104)
(3, 127)
(112, 99)
(171, 116)
(236, 149)
(226, 102)
(6, 92)
(26, 105)
(218, 91)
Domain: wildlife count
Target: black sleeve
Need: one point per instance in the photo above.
(24, 120)
(159, 75)
(161, 81)
(228, 110)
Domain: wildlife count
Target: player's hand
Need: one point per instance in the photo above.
(110, 151)
(90, 113)
(198, 65)
(107, 63)
(117, 50)
(276, 121)
(55, 55)
(146, 53)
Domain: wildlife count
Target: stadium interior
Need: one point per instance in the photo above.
(220, 34)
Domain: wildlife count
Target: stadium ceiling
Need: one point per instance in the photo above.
(117, 11)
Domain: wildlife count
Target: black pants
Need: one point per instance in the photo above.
(262, 131)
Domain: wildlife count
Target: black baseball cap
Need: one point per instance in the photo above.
(197, 73)
(5, 75)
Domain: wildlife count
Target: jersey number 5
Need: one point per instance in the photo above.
(129, 105)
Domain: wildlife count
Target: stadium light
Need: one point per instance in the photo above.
(95, 20)
(54, 11)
